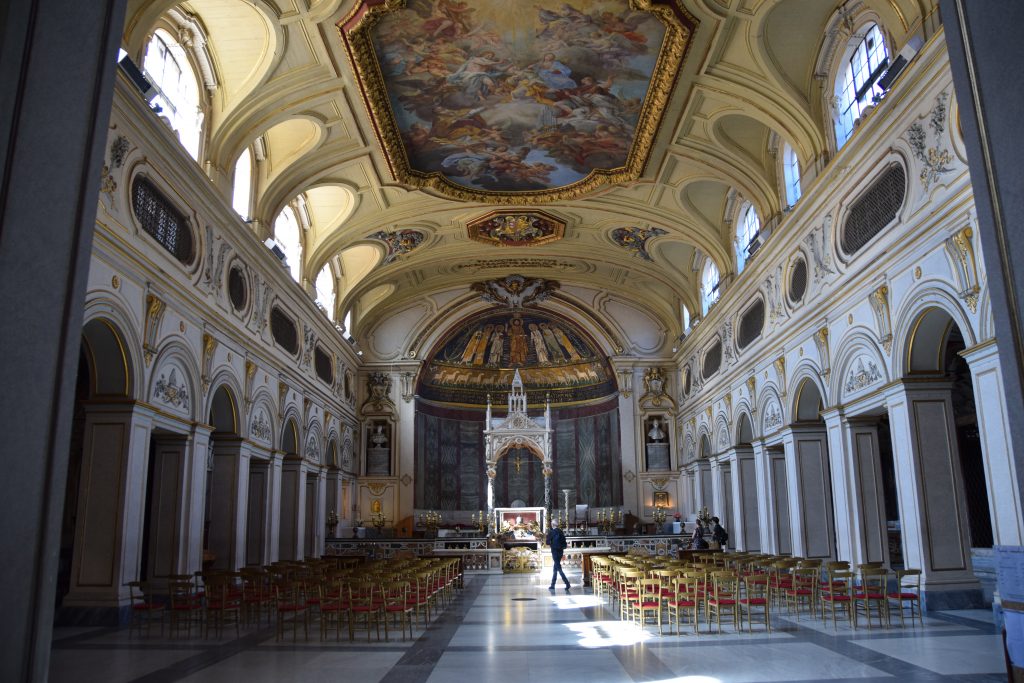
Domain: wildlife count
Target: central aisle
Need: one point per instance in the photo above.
(511, 629)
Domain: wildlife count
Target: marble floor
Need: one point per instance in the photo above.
(511, 629)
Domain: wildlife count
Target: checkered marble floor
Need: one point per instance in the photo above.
(511, 629)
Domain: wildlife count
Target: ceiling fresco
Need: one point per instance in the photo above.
(516, 228)
(490, 98)
(479, 357)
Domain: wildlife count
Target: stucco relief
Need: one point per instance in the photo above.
(863, 374)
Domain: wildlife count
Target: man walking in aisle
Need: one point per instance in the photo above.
(556, 541)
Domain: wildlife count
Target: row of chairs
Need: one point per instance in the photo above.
(745, 588)
(337, 592)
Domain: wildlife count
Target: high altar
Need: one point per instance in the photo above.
(523, 528)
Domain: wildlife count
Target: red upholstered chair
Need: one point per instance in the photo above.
(907, 595)
(869, 597)
(723, 600)
(364, 603)
(685, 601)
(145, 610)
(803, 590)
(755, 601)
(396, 606)
(648, 601)
(185, 606)
(837, 592)
(223, 603)
(290, 606)
(334, 605)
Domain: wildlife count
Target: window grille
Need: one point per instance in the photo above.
(162, 220)
(712, 360)
(751, 324)
(284, 331)
(237, 290)
(324, 366)
(798, 281)
(874, 209)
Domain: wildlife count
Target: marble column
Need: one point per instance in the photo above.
(632, 494)
(197, 464)
(293, 510)
(702, 489)
(275, 472)
(334, 498)
(930, 491)
(809, 491)
(111, 506)
(320, 512)
(56, 83)
(768, 530)
(859, 493)
(744, 529)
(257, 546)
(985, 58)
(1004, 502)
(721, 492)
(229, 504)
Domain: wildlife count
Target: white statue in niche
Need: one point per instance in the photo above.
(379, 439)
(656, 433)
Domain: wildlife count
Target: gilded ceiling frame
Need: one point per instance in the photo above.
(356, 29)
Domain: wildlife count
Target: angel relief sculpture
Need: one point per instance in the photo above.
(515, 291)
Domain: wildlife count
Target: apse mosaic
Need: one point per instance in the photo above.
(480, 357)
(489, 97)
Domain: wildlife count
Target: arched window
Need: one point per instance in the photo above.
(325, 290)
(747, 230)
(286, 232)
(242, 190)
(857, 86)
(347, 324)
(168, 68)
(791, 175)
(686, 318)
(709, 281)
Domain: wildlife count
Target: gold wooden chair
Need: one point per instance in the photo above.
(290, 606)
(223, 604)
(804, 584)
(648, 602)
(396, 605)
(869, 596)
(723, 598)
(755, 600)
(364, 602)
(145, 610)
(685, 601)
(837, 591)
(629, 591)
(907, 595)
(185, 606)
(334, 605)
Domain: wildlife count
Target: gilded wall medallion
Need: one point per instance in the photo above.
(514, 102)
(516, 228)
(398, 243)
(634, 240)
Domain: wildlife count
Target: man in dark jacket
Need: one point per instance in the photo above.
(718, 533)
(556, 541)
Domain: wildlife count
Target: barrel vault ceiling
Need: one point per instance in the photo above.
(749, 80)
